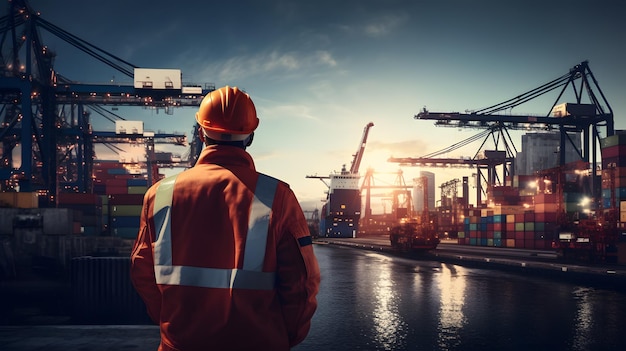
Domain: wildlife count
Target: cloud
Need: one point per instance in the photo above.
(377, 27)
(384, 25)
(291, 111)
(273, 62)
(325, 57)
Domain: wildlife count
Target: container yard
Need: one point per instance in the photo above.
(571, 204)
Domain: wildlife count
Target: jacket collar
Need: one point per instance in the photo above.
(225, 155)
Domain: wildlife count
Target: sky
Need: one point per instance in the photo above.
(319, 71)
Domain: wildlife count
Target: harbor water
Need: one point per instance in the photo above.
(374, 301)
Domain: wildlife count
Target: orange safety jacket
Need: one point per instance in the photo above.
(223, 259)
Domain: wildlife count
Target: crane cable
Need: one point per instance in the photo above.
(525, 97)
(460, 144)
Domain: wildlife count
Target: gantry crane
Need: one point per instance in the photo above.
(400, 192)
(448, 214)
(580, 116)
(46, 114)
(486, 162)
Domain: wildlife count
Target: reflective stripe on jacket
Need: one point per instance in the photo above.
(250, 277)
(223, 259)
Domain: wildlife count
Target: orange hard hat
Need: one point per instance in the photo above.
(227, 114)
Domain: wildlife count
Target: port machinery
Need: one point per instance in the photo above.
(585, 117)
(416, 232)
(47, 114)
(341, 211)
(592, 237)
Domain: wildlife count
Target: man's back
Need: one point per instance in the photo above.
(213, 263)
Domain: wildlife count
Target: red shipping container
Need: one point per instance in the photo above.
(519, 235)
(616, 172)
(545, 217)
(78, 198)
(540, 245)
(76, 227)
(612, 162)
(529, 217)
(615, 151)
(116, 190)
(617, 182)
(529, 235)
(108, 164)
(529, 243)
(125, 199)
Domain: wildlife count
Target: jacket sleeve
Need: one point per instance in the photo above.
(142, 268)
(298, 272)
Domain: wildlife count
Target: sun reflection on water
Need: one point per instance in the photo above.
(451, 318)
(390, 329)
(584, 318)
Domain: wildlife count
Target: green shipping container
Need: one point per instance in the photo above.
(126, 210)
(137, 189)
(529, 226)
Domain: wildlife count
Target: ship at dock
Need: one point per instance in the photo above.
(341, 211)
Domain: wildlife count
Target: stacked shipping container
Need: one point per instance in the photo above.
(19, 199)
(87, 212)
(614, 170)
(115, 206)
(515, 226)
(124, 213)
(124, 197)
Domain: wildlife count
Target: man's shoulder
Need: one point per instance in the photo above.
(270, 178)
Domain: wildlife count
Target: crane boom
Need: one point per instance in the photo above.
(354, 169)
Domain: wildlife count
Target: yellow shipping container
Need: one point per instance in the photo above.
(509, 209)
(19, 200)
(486, 212)
(546, 208)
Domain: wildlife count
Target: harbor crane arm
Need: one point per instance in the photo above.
(576, 117)
(474, 120)
(356, 162)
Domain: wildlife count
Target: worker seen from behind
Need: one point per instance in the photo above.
(224, 259)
